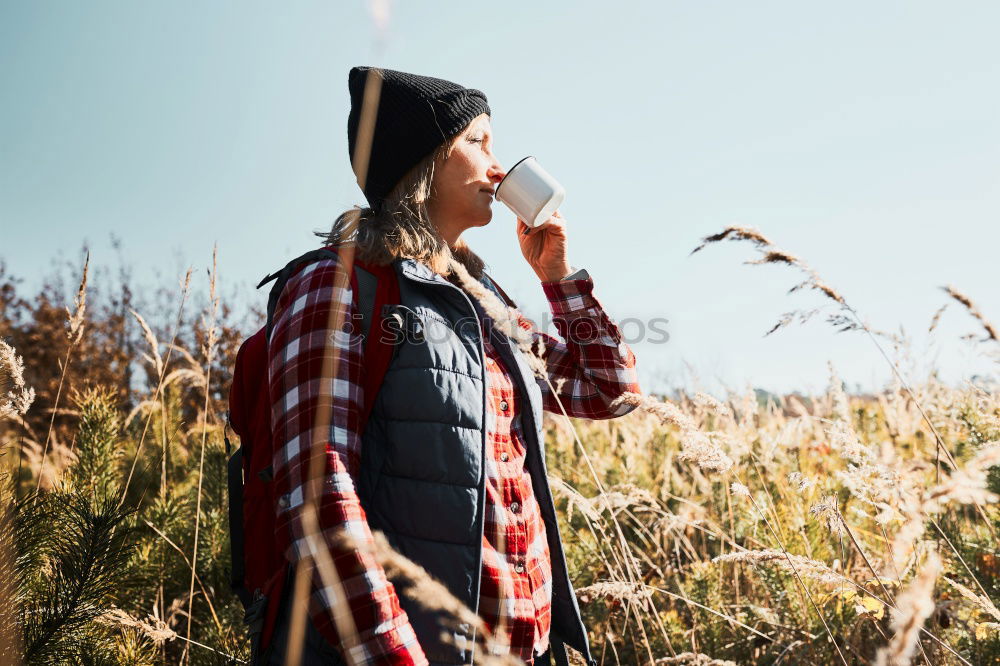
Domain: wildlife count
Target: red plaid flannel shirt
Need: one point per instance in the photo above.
(515, 591)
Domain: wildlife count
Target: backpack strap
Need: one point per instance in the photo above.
(364, 283)
(379, 348)
(237, 539)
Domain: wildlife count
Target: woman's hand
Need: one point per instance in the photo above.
(545, 247)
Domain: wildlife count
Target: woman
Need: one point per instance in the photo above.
(450, 465)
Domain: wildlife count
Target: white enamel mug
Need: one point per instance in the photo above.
(530, 192)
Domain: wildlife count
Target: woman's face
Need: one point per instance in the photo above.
(463, 185)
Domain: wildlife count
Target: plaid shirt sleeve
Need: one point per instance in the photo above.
(299, 343)
(594, 365)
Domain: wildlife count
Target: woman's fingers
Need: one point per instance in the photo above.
(557, 223)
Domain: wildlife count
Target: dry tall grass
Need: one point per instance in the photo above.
(746, 528)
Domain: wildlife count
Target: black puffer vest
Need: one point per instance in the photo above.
(423, 474)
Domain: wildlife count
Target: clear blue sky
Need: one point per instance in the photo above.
(862, 136)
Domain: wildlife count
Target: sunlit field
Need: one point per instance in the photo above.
(703, 529)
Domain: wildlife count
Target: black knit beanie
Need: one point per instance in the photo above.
(416, 114)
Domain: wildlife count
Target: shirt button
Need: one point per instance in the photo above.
(519, 567)
(503, 405)
(515, 507)
(504, 457)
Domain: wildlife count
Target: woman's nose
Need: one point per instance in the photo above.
(496, 173)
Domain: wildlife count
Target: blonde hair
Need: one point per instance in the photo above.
(402, 228)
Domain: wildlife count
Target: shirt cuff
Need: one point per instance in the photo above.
(570, 294)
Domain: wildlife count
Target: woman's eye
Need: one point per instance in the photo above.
(475, 140)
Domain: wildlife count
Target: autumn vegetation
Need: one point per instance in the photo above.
(748, 528)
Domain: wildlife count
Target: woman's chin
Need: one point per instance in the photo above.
(479, 216)
(484, 217)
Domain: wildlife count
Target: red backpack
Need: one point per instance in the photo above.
(260, 572)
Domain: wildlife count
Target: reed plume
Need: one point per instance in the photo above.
(75, 323)
(806, 567)
(973, 309)
(693, 659)
(697, 446)
(15, 395)
(913, 606)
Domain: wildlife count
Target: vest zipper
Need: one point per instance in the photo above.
(482, 450)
